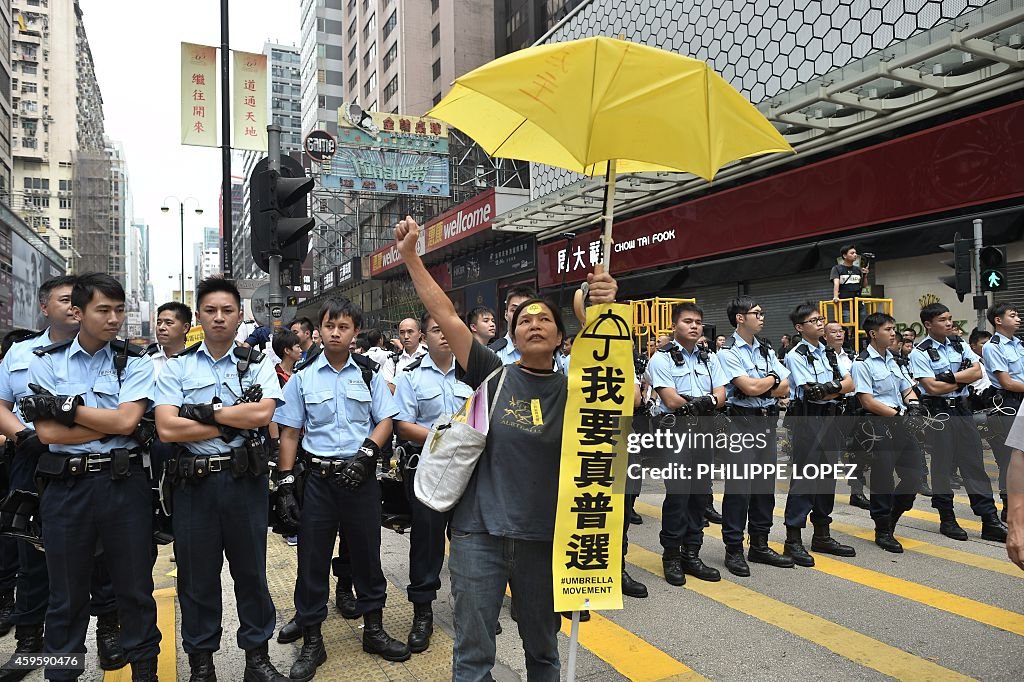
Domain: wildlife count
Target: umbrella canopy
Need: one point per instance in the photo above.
(579, 104)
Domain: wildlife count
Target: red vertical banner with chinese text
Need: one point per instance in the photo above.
(198, 95)
(587, 556)
(249, 101)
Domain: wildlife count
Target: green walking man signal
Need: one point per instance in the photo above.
(993, 268)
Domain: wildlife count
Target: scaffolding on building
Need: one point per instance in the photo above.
(92, 213)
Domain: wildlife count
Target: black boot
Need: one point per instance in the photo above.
(201, 665)
(823, 542)
(761, 553)
(312, 655)
(108, 642)
(584, 615)
(795, 549)
(735, 562)
(29, 641)
(638, 520)
(883, 536)
(345, 600)
(1002, 514)
(895, 520)
(992, 528)
(633, 588)
(258, 667)
(956, 481)
(949, 527)
(860, 501)
(672, 563)
(144, 671)
(711, 515)
(697, 568)
(6, 612)
(377, 641)
(289, 633)
(422, 627)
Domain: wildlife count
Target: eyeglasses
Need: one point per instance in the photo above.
(813, 320)
(756, 313)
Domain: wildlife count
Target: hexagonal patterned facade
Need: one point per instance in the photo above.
(762, 47)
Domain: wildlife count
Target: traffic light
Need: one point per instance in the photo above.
(280, 215)
(993, 268)
(961, 264)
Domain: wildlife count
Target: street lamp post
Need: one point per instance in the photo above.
(181, 216)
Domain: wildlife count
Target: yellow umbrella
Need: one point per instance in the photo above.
(604, 105)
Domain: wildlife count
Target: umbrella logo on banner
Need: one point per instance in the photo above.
(620, 332)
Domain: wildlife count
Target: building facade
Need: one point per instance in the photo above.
(320, 27)
(57, 132)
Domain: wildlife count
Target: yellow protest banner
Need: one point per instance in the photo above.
(194, 335)
(198, 95)
(587, 556)
(249, 101)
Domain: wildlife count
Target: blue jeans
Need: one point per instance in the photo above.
(480, 566)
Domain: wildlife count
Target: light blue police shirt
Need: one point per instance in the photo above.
(425, 394)
(1001, 354)
(880, 377)
(72, 371)
(803, 371)
(693, 377)
(197, 378)
(14, 370)
(509, 353)
(334, 407)
(746, 360)
(949, 361)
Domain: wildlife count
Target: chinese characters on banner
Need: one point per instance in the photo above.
(249, 101)
(198, 95)
(587, 556)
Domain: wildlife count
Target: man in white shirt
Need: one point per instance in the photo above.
(173, 321)
(412, 349)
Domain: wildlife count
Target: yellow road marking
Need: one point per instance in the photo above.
(944, 601)
(167, 663)
(850, 644)
(967, 524)
(922, 547)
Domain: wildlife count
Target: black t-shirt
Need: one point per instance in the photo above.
(850, 279)
(514, 489)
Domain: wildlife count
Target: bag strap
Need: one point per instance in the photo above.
(493, 397)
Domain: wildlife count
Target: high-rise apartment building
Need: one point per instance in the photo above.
(6, 161)
(285, 88)
(321, 61)
(120, 211)
(402, 56)
(61, 174)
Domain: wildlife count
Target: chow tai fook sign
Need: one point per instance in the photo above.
(465, 219)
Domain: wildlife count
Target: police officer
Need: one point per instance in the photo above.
(816, 388)
(345, 411)
(944, 365)
(33, 587)
(1004, 366)
(425, 391)
(90, 393)
(173, 322)
(756, 380)
(690, 382)
(885, 392)
(411, 337)
(210, 399)
(505, 347)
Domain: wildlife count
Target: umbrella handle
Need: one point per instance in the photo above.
(609, 214)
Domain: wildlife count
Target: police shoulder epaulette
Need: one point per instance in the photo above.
(666, 349)
(299, 366)
(863, 355)
(153, 348)
(188, 350)
(765, 342)
(994, 339)
(730, 342)
(498, 345)
(46, 350)
(363, 361)
(804, 350)
(414, 364)
(33, 335)
(926, 344)
(243, 353)
(122, 346)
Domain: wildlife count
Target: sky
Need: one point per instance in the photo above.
(137, 53)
